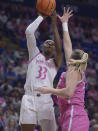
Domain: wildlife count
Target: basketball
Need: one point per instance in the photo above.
(46, 7)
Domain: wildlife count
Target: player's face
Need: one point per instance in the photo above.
(48, 48)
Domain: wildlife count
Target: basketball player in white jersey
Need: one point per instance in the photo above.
(38, 108)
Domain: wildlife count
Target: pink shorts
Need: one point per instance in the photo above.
(75, 119)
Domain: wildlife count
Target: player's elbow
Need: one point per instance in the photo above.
(27, 31)
(69, 94)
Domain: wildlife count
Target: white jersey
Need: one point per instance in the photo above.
(41, 72)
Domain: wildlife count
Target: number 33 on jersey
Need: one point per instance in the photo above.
(41, 72)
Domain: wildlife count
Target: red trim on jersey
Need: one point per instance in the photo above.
(33, 58)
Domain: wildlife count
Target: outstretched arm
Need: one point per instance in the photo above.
(66, 37)
(57, 40)
(68, 92)
(31, 40)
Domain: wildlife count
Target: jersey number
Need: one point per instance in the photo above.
(42, 73)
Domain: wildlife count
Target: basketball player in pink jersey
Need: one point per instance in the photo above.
(71, 87)
(38, 108)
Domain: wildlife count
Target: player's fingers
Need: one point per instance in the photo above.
(64, 10)
(68, 10)
(71, 11)
(38, 89)
(72, 61)
(70, 15)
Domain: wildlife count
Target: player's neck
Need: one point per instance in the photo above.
(46, 56)
(70, 68)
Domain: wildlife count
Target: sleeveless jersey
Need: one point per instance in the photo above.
(77, 98)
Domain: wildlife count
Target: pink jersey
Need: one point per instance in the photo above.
(72, 109)
(78, 97)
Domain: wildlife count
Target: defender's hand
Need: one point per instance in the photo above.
(66, 15)
(44, 90)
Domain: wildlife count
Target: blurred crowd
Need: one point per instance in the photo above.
(87, 2)
(93, 3)
(14, 19)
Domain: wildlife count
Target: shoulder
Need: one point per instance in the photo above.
(61, 83)
(52, 63)
(62, 77)
(74, 74)
(80, 76)
(40, 55)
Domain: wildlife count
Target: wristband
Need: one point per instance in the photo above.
(65, 26)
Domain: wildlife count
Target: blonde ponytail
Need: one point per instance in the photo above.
(81, 64)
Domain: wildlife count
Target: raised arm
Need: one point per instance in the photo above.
(57, 40)
(31, 40)
(66, 38)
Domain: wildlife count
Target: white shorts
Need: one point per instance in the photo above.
(34, 115)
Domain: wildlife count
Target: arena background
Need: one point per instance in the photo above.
(15, 15)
